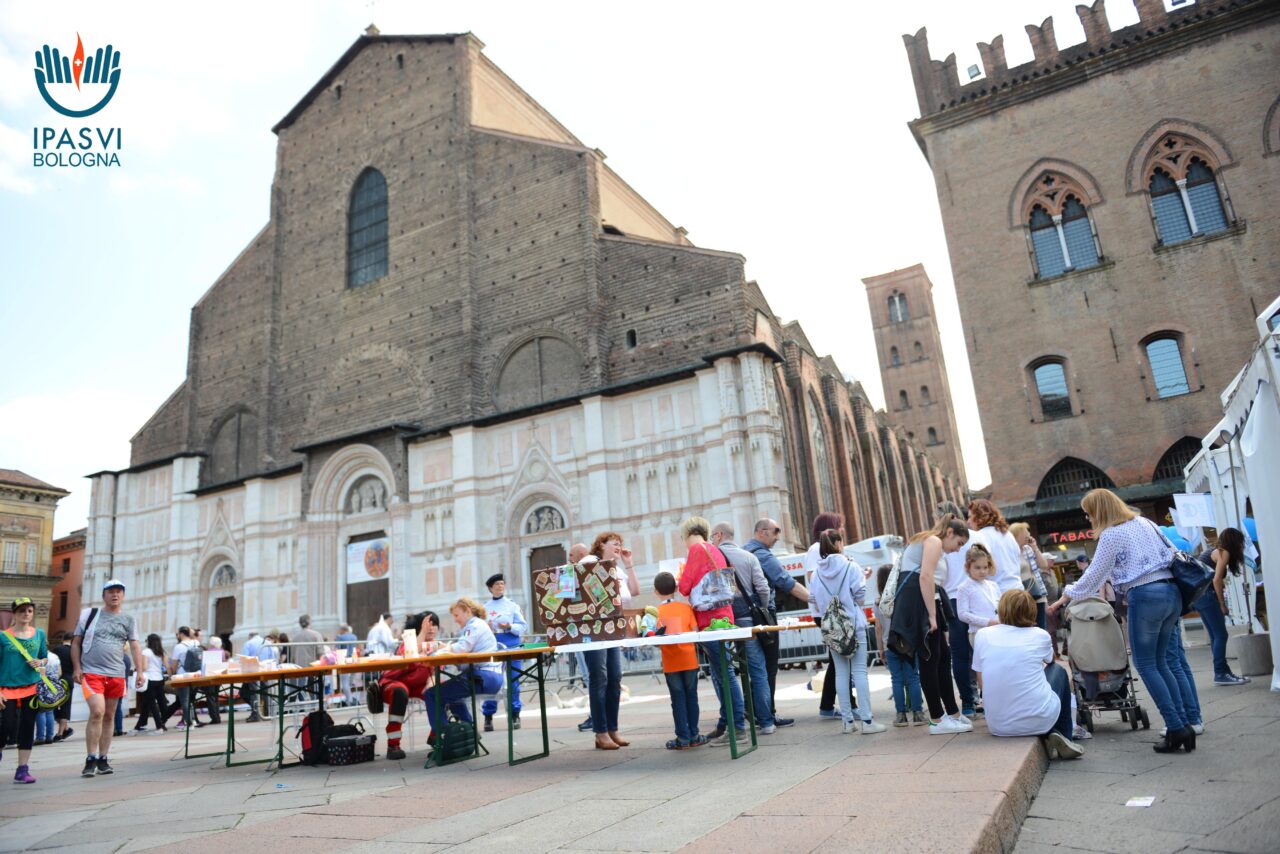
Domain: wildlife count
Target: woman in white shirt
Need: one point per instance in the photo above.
(152, 701)
(1025, 692)
(486, 677)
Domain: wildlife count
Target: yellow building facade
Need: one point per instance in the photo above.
(27, 505)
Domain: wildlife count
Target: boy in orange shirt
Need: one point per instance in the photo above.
(679, 664)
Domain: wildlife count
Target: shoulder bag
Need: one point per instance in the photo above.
(1190, 576)
(760, 615)
(49, 694)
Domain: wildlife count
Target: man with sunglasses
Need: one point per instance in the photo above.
(762, 541)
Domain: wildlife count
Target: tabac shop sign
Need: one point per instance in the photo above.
(1057, 537)
(77, 85)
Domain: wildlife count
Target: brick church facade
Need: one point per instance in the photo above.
(460, 344)
(1109, 210)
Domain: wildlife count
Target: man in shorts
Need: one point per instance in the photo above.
(97, 660)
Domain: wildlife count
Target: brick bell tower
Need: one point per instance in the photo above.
(912, 369)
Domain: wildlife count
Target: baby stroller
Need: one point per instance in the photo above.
(1100, 672)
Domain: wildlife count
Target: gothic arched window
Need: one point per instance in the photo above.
(1051, 388)
(1062, 237)
(898, 311)
(1168, 373)
(1186, 196)
(367, 229)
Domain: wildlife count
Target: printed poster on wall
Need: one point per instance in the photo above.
(368, 560)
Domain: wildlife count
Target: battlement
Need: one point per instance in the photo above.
(938, 87)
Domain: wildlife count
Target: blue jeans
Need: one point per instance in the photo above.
(1154, 610)
(1215, 624)
(120, 710)
(44, 725)
(683, 687)
(1061, 685)
(761, 701)
(906, 682)
(855, 665)
(604, 688)
(1182, 673)
(454, 691)
(715, 653)
(961, 658)
(507, 641)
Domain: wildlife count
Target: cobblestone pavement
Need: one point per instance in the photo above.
(1225, 796)
(807, 789)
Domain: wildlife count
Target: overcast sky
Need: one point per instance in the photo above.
(779, 134)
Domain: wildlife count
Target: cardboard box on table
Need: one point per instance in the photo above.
(591, 611)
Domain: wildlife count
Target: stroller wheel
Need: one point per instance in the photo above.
(1146, 721)
(1133, 719)
(1124, 716)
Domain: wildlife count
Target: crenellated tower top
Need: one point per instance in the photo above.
(939, 90)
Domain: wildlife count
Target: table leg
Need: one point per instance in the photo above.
(731, 652)
(538, 672)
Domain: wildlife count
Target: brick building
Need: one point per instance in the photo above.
(1108, 210)
(27, 507)
(68, 573)
(912, 369)
(460, 344)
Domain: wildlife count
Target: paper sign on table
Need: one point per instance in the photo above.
(211, 662)
(410, 638)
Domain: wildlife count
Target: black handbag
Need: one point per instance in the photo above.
(760, 615)
(373, 694)
(1190, 575)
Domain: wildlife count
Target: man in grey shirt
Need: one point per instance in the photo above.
(97, 661)
(752, 582)
(308, 643)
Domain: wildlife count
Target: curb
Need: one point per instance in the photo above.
(1000, 833)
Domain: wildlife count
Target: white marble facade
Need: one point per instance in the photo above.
(480, 500)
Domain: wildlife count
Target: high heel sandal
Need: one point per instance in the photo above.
(1184, 738)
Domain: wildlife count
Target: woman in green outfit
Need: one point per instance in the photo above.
(18, 677)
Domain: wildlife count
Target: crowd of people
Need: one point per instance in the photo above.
(966, 624)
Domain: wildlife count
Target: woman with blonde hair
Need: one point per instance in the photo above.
(1030, 565)
(1135, 557)
(486, 677)
(711, 593)
(1026, 692)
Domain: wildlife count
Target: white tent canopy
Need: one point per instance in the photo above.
(1247, 464)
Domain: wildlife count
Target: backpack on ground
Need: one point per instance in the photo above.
(315, 728)
(839, 632)
(193, 660)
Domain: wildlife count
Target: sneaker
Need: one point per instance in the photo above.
(90, 767)
(968, 713)
(104, 767)
(770, 729)
(394, 753)
(182, 725)
(781, 722)
(716, 733)
(23, 775)
(847, 727)
(488, 723)
(948, 726)
(871, 727)
(829, 714)
(70, 732)
(1231, 679)
(1065, 748)
(698, 740)
(962, 718)
(901, 719)
(918, 719)
(253, 718)
(723, 740)
(515, 721)
(585, 726)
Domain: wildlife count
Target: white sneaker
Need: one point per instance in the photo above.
(847, 727)
(964, 720)
(870, 727)
(1064, 747)
(767, 730)
(948, 726)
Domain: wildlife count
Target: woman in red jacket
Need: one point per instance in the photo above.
(711, 595)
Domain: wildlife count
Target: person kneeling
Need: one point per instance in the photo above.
(1026, 693)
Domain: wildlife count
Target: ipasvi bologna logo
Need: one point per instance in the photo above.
(77, 85)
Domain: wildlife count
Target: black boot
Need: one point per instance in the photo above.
(1184, 738)
(488, 723)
